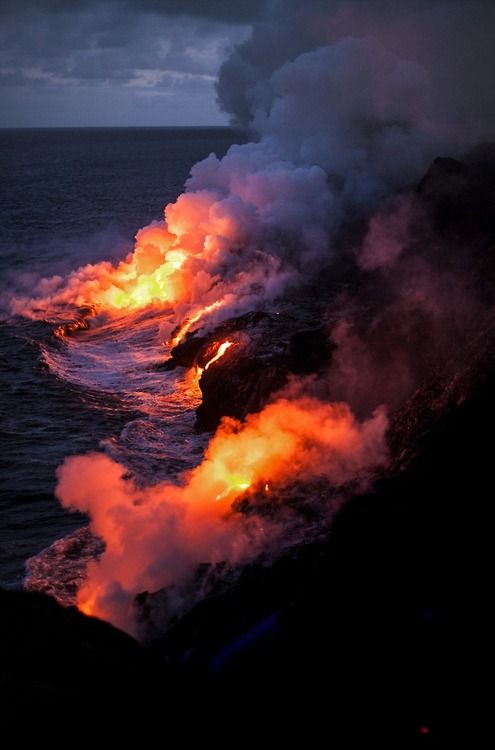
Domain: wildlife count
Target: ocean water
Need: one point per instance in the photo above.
(69, 197)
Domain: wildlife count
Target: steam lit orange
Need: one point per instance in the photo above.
(154, 536)
(150, 274)
(189, 322)
(171, 264)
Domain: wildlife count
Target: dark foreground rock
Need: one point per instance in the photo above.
(56, 657)
(63, 674)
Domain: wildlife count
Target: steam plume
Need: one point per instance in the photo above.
(347, 103)
(155, 536)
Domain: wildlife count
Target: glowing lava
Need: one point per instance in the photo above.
(235, 486)
(221, 351)
(87, 606)
(189, 322)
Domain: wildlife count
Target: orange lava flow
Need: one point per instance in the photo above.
(189, 322)
(221, 351)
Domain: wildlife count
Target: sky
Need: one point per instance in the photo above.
(116, 62)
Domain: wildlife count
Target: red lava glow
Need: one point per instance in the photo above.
(189, 322)
(221, 351)
(155, 536)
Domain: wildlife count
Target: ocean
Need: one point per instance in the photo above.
(71, 197)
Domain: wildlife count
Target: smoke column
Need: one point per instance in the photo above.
(346, 103)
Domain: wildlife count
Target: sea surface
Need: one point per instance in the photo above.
(70, 197)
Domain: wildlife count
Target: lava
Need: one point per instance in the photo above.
(185, 327)
(221, 351)
(235, 486)
(87, 607)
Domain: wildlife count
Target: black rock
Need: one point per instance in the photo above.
(52, 656)
(460, 196)
(266, 350)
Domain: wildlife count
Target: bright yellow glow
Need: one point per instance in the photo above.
(235, 486)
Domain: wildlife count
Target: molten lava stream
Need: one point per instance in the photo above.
(189, 322)
(221, 351)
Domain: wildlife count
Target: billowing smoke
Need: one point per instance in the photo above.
(444, 49)
(246, 226)
(347, 103)
(156, 536)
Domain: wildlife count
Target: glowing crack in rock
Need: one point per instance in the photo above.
(221, 351)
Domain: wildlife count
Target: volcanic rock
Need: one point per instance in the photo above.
(266, 349)
(53, 656)
(460, 196)
(370, 613)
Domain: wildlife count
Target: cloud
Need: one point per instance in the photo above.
(218, 10)
(123, 51)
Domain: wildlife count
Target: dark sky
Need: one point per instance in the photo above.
(116, 62)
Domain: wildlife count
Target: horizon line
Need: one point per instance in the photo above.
(113, 127)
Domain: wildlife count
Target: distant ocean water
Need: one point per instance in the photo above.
(69, 197)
